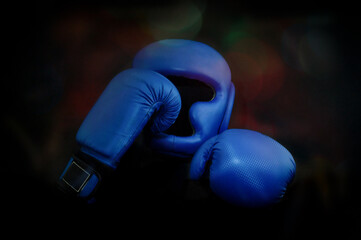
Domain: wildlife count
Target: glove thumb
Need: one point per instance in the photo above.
(201, 157)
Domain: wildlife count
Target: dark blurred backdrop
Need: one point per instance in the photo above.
(296, 69)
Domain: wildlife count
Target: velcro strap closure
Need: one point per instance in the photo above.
(79, 178)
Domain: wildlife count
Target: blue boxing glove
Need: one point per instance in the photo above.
(247, 168)
(113, 123)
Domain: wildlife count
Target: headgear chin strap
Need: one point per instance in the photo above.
(198, 61)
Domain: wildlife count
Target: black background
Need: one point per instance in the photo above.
(60, 55)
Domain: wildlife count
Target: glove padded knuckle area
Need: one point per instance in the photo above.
(127, 104)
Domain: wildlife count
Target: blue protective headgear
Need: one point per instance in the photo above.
(198, 61)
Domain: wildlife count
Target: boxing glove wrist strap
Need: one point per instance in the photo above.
(82, 176)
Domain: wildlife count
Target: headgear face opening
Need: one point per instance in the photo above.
(183, 61)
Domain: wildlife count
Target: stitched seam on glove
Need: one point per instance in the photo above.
(208, 163)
